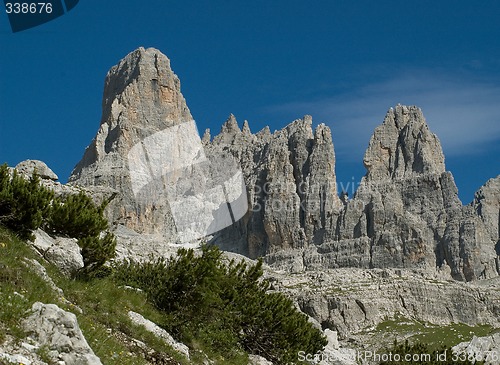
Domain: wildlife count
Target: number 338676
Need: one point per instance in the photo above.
(28, 8)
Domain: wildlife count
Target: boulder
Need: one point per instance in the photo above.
(63, 252)
(58, 330)
(478, 349)
(152, 327)
(27, 168)
(258, 360)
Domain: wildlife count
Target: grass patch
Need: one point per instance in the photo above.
(104, 321)
(436, 336)
(105, 306)
(19, 286)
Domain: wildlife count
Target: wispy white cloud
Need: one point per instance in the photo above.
(464, 114)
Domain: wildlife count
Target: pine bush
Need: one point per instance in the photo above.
(26, 205)
(23, 203)
(77, 216)
(96, 251)
(228, 305)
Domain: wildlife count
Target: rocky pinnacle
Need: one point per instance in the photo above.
(405, 214)
(142, 96)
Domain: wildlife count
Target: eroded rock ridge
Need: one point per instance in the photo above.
(405, 214)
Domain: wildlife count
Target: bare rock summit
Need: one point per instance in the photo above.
(403, 147)
(405, 214)
(142, 96)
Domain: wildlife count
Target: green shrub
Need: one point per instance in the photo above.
(95, 252)
(26, 205)
(227, 306)
(23, 203)
(77, 216)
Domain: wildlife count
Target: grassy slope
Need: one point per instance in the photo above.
(104, 321)
(109, 331)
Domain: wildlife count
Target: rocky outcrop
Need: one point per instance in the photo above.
(28, 167)
(141, 97)
(163, 335)
(258, 360)
(480, 349)
(486, 205)
(352, 301)
(403, 147)
(333, 354)
(62, 252)
(148, 149)
(405, 214)
(58, 330)
(291, 185)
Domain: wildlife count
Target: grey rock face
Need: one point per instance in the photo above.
(291, 185)
(400, 210)
(64, 253)
(258, 360)
(50, 326)
(405, 214)
(27, 168)
(350, 301)
(159, 332)
(485, 349)
(486, 205)
(403, 147)
(471, 239)
(141, 97)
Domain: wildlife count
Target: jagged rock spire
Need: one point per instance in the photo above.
(290, 177)
(406, 212)
(402, 146)
(246, 128)
(142, 96)
(206, 137)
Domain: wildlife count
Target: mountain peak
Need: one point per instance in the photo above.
(142, 95)
(144, 80)
(403, 146)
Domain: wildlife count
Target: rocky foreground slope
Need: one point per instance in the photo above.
(404, 245)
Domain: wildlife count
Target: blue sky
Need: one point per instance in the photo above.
(270, 62)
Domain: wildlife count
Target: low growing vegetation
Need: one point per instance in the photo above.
(226, 306)
(440, 336)
(421, 353)
(26, 205)
(103, 321)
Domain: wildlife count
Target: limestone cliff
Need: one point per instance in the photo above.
(141, 97)
(291, 185)
(405, 214)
